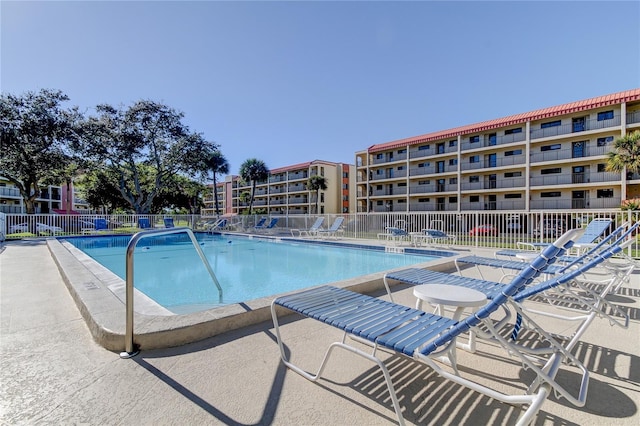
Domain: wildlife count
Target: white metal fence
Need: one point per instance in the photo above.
(503, 229)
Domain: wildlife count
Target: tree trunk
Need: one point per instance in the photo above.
(215, 194)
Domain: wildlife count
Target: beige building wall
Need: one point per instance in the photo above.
(553, 158)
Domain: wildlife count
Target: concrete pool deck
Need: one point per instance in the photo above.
(53, 372)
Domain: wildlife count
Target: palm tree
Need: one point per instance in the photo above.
(216, 163)
(625, 154)
(253, 170)
(317, 183)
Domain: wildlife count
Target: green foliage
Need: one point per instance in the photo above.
(253, 170)
(316, 184)
(36, 135)
(625, 154)
(215, 163)
(146, 134)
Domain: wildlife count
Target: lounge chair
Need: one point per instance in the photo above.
(312, 231)
(423, 336)
(617, 237)
(218, 225)
(99, 225)
(144, 223)
(268, 227)
(168, 222)
(592, 232)
(432, 236)
(260, 223)
(395, 233)
(333, 230)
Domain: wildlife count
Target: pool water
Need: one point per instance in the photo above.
(169, 270)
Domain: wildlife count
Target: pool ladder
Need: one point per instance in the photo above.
(131, 349)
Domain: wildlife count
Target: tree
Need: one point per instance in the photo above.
(149, 134)
(215, 162)
(317, 183)
(36, 132)
(253, 170)
(625, 154)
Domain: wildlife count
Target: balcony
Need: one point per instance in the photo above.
(575, 178)
(10, 192)
(494, 184)
(298, 175)
(566, 129)
(433, 188)
(633, 117)
(577, 203)
(491, 163)
(301, 200)
(568, 153)
(432, 170)
(389, 175)
(434, 149)
(401, 190)
(499, 140)
(386, 158)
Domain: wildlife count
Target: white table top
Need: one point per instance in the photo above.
(450, 295)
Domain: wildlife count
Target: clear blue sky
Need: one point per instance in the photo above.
(289, 82)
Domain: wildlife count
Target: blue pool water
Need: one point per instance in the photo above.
(169, 270)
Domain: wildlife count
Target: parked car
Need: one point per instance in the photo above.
(551, 228)
(484, 230)
(40, 227)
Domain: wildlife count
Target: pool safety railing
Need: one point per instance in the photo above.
(131, 349)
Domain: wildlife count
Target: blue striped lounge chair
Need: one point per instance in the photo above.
(311, 231)
(423, 337)
(333, 230)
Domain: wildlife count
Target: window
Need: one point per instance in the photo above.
(453, 143)
(604, 193)
(402, 184)
(474, 198)
(512, 131)
(553, 147)
(345, 174)
(550, 194)
(453, 181)
(402, 201)
(474, 159)
(474, 179)
(423, 147)
(424, 182)
(605, 115)
(379, 172)
(550, 124)
(551, 171)
(492, 139)
(602, 168)
(439, 166)
(514, 152)
(379, 203)
(509, 196)
(423, 200)
(453, 200)
(402, 151)
(474, 139)
(605, 141)
(440, 148)
(378, 187)
(401, 167)
(421, 164)
(379, 156)
(512, 174)
(453, 161)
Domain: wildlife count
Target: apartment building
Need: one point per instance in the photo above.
(552, 158)
(52, 199)
(285, 191)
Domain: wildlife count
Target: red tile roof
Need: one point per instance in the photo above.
(299, 166)
(601, 101)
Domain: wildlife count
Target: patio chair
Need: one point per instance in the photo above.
(333, 230)
(218, 225)
(432, 236)
(260, 223)
(168, 222)
(268, 227)
(592, 232)
(311, 231)
(144, 223)
(618, 236)
(423, 336)
(395, 233)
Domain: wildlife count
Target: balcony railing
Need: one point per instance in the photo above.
(499, 140)
(575, 178)
(633, 117)
(491, 184)
(433, 150)
(389, 159)
(489, 163)
(576, 203)
(10, 192)
(565, 129)
(395, 174)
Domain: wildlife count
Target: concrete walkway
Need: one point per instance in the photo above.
(52, 372)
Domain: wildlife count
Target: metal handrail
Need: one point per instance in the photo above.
(130, 349)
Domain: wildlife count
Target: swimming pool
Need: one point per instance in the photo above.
(169, 271)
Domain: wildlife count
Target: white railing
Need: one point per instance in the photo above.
(510, 227)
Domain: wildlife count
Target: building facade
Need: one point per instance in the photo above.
(285, 191)
(52, 199)
(552, 158)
